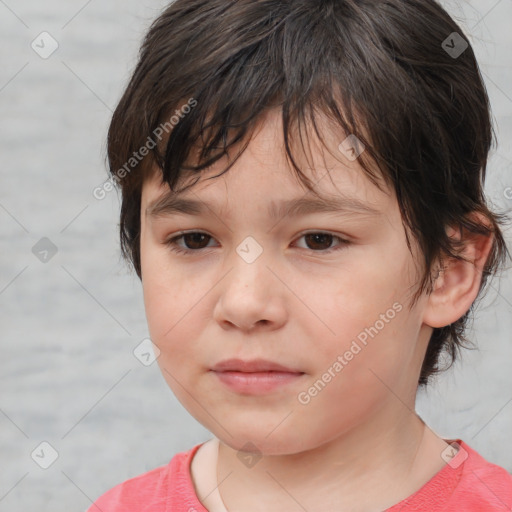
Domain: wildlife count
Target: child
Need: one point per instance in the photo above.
(303, 359)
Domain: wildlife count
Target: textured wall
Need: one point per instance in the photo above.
(69, 325)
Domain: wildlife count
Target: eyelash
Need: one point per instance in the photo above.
(171, 243)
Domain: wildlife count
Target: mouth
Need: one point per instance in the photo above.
(253, 366)
(255, 377)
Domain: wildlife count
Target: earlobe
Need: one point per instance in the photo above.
(458, 282)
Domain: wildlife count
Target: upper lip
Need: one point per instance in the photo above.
(255, 365)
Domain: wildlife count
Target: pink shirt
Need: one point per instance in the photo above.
(467, 484)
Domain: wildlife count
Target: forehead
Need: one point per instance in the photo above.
(264, 171)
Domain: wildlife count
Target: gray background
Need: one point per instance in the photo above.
(69, 325)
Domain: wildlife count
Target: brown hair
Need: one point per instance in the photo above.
(379, 69)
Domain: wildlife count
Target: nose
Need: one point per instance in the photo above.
(251, 297)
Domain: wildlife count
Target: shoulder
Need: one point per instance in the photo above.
(482, 484)
(148, 492)
(132, 495)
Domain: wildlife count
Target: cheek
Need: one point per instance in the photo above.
(365, 315)
(166, 296)
(177, 312)
(168, 304)
(172, 316)
(351, 397)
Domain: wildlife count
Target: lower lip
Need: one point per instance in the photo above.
(257, 382)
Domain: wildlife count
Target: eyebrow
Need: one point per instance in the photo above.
(171, 203)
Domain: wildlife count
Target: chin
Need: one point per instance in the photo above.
(259, 442)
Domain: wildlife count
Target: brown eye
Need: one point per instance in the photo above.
(193, 241)
(196, 241)
(322, 242)
(319, 241)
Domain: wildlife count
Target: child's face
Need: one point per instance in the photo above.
(296, 304)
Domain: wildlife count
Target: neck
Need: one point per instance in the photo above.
(374, 466)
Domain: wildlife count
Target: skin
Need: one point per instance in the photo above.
(358, 444)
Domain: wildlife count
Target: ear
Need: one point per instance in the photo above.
(458, 283)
